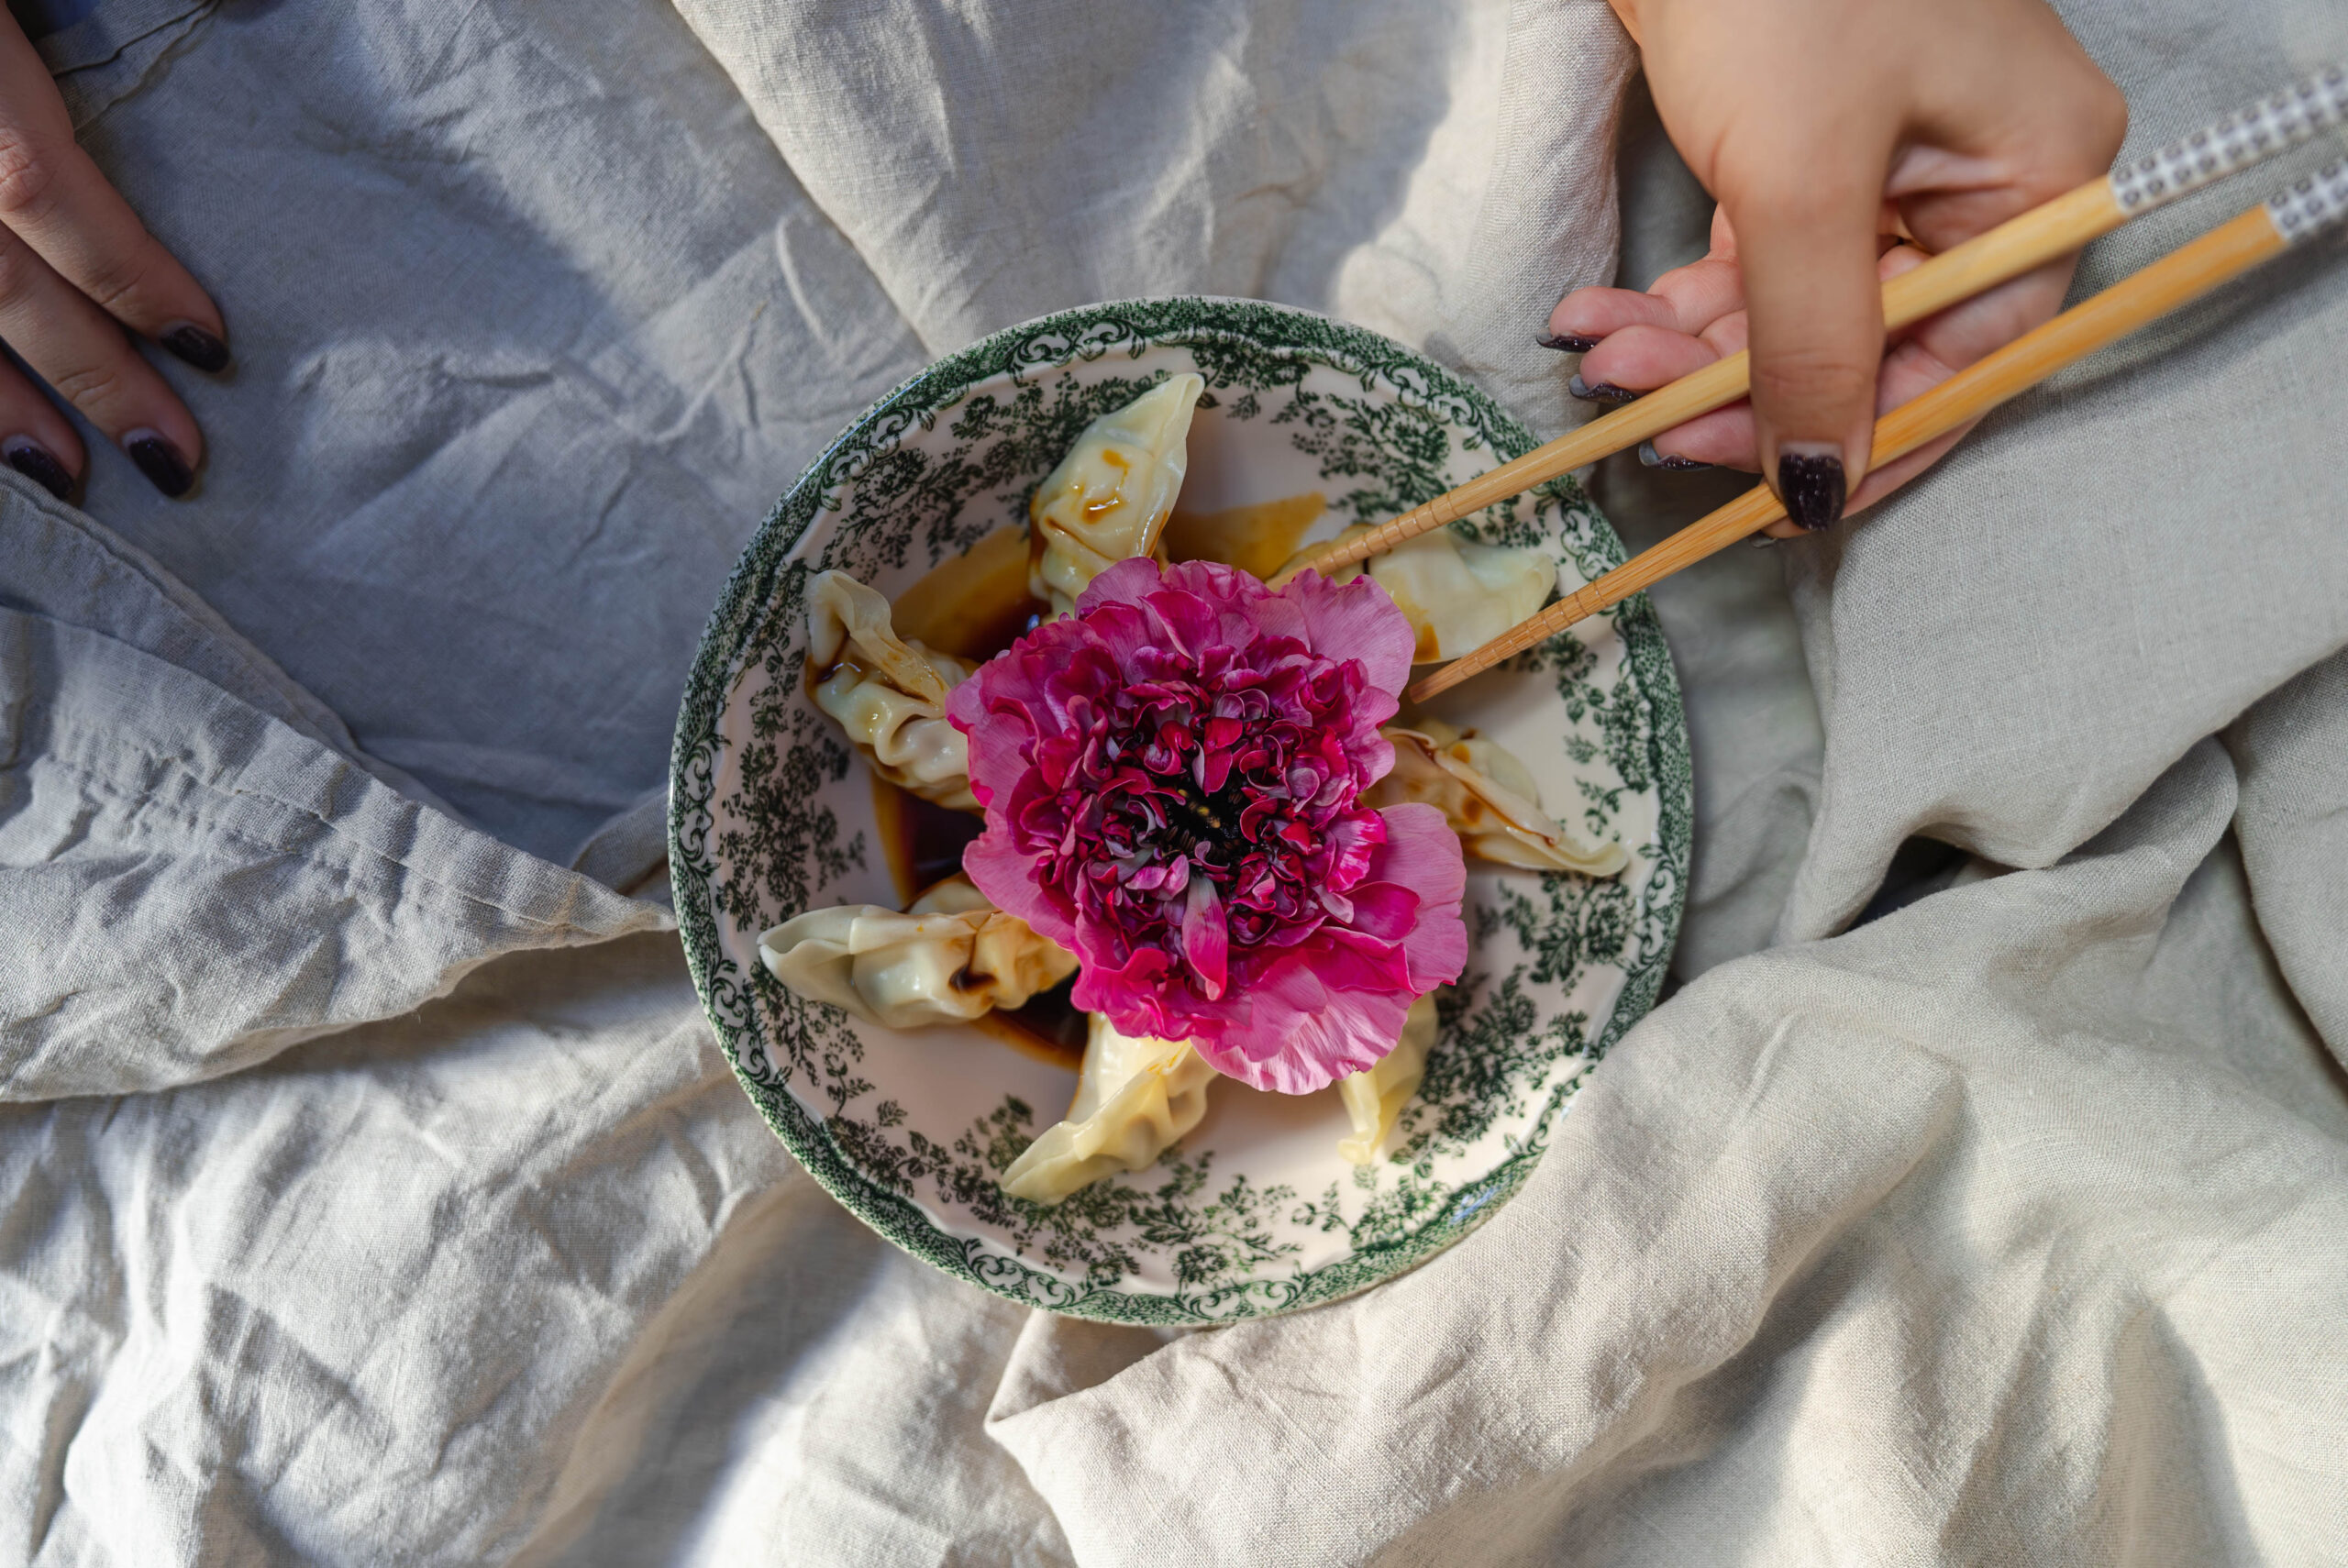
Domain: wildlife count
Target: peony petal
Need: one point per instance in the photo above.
(1127, 582)
(1423, 854)
(1300, 1036)
(1383, 910)
(1003, 871)
(1292, 952)
(1356, 620)
(1206, 941)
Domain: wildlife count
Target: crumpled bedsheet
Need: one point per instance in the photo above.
(371, 1190)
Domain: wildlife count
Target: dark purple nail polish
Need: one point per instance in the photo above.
(1566, 342)
(198, 346)
(1813, 486)
(1599, 392)
(160, 462)
(1652, 459)
(39, 464)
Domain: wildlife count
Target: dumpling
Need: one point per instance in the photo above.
(887, 693)
(1488, 797)
(1457, 595)
(1376, 1096)
(1109, 497)
(949, 958)
(1133, 1097)
(951, 895)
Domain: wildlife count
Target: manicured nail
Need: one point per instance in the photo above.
(1811, 483)
(1764, 541)
(1566, 342)
(198, 346)
(160, 462)
(1599, 392)
(39, 464)
(1654, 459)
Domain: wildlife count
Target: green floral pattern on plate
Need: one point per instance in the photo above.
(768, 815)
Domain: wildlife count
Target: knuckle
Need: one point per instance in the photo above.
(19, 267)
(27, 176)
(2105, 113)
(1762, 180)
(1809, 378)
(90, 387)
(118, 284)
(2084, 143)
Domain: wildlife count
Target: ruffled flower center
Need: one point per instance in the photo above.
(1172, 781)
(1205, 803)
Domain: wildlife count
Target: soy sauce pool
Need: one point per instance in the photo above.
(923, 844)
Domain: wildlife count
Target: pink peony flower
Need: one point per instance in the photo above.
(1169, 779)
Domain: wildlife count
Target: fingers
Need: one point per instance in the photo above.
(83, 353)
(1806, 224)
(36, 439)
(54, 199)
(1821, 126)
(1999, 132)
(1720, 439)
(1642, 358)
(75, 267)
(1685, 299)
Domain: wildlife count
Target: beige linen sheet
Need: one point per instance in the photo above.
(371, 1192)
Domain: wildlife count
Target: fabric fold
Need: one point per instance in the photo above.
(1935, 1206)
(211, 885)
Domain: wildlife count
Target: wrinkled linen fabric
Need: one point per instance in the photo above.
(375, 1193)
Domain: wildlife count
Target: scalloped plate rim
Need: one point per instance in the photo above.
(731, 632)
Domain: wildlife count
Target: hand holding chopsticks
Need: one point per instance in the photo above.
(2313, 205)
(2239, 141)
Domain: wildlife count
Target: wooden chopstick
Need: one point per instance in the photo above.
(2240, 140)
(2313, 205)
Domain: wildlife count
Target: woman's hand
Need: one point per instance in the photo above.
(1825, 128)
(77, 267)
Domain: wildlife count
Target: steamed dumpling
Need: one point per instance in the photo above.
(1109, 497)
(1488, 797)
(952, 895)
(1133, 1097)
(1457, 595)
(949, 958)
(1376, 1096)
(887, 693)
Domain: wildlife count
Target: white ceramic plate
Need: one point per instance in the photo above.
(1256, 1211)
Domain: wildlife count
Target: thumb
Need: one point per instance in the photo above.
(1806, 243)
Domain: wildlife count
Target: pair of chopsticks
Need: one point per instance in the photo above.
(2240, 141)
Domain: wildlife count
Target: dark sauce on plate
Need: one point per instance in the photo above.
(974, 606)
(923, 844)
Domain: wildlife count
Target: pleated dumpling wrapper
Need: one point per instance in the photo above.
(1457, 594)
(888, 694)
(1109, 499)
(1376, 1096)
(1133, 1097)
(1488, 797)
(949, 958)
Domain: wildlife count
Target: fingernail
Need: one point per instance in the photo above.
(1599, 392)
(1811, 483)
(198, 346)
(1764, 541)
(1566, 342)
(160, 462)
(1654, 459)
(39, 464)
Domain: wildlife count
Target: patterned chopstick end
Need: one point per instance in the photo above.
(2243, 137)
(2312, 204)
